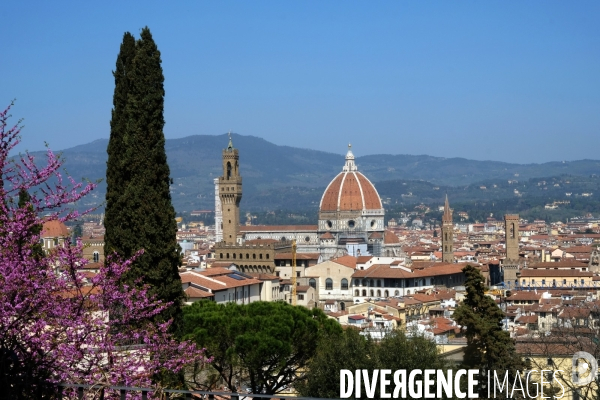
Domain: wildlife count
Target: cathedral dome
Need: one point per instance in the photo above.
(350, 191)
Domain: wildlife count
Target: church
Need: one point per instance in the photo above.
(351, 222)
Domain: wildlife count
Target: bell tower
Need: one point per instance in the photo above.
(230, 193)
(447, 234)
(511, 226)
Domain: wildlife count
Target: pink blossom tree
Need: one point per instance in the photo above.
(56, 326)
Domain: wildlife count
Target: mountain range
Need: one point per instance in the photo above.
(283, 177)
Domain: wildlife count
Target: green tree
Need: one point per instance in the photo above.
(353, 352)
(335, 352)
(263, 346)
(489, 347)
(139, 213)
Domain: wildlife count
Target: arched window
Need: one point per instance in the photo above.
(378, 293)
(364, 282)
(241, 256)
(267, 256)
(254, 256)
(220, 255)
(96, 256)
(371, 282)
(364, 293)
(344, 284)
(356, 282)
(386, 293)
(228, 170)
(328, 284)
(356, 293)
(260, 256)
(372, 293)
(408, 291)
(234, 256)
(247, 256)
(397, 293)
(312, 282)
(227, 255)
(378, 282)
(343, 306)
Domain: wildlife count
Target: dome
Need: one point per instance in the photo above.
(350, 190)
(54, 228)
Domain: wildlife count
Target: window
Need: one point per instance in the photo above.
(344, 284)
(96, 256)
(397, 293)
(297, 274)
(372, 293)
(564, 281)
(254, 256)
(234, 256)
(583, 281)
(312, 283)
(378, 293)
(371, 282)
(378, 282)
(356, 282)
(300, 297)
(386, 293)
(364, 293)
(247, 256)
(356, 293)
(56, 241)
(364, 282)
(543, 281)
(328, 284)
(267, 256)
(260, 256)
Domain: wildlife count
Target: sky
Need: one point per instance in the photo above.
(513, 81)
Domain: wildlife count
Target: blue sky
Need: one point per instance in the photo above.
(509, 81)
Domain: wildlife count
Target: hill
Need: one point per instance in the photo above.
(283, 177)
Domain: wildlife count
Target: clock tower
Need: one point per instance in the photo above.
(230, 193)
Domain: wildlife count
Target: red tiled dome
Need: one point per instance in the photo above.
(350, 191)
(54, 228)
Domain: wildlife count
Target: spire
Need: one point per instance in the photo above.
(447, 213)
(230, 145)
(350, 166)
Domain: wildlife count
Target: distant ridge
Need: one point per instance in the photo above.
(267, 168)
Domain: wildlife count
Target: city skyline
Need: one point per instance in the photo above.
(493, 81)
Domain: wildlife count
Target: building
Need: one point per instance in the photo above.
(447, 234)
(351, 216)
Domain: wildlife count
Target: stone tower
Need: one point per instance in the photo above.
(511, 227)
(230, 193)
(447, 234)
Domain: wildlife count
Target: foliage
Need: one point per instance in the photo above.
(54, 322)
(489, 347)
(352, 351)
(263, 346)
(139, 213)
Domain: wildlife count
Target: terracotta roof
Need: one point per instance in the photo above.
(535, 273)
(302, 288)
(390, 238)
(192, 292)
(327, 235)
(214, 283)
(376, 235)
(385, 271)
(299, 256)
(347, 261)
(559, 264)
(54, 228)
(523, 295)
(263, 277)
(350, 191)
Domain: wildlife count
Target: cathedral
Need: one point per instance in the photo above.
(351, 222)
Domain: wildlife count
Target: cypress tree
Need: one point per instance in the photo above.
(489, 347)
(139, 213)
